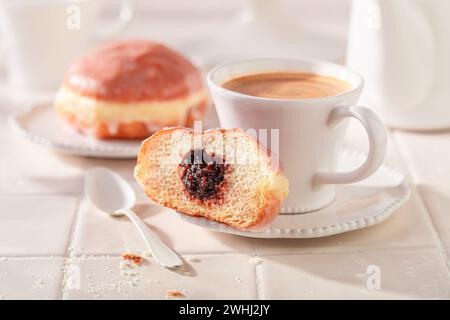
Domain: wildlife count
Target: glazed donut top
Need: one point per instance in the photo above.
(133, 71)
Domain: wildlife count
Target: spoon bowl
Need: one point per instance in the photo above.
(111, 193)
(108, 191)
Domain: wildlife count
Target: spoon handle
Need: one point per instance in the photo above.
(160, 251)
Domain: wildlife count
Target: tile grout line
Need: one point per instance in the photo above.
(258, 280)
(257, 270)
(39, 194)
(424, 204)
(67, 254)
(441, 248)
(422, 201)
(389, 249)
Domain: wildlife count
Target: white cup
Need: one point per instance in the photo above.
(39, 38)
(311, 131)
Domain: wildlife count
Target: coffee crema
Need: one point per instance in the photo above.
(287, 85)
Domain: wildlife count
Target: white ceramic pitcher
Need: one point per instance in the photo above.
(402, 49)
(39, 38)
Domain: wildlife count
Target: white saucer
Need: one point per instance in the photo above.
(356, 206)
(41, 125)
(419, 122)
(435, 117)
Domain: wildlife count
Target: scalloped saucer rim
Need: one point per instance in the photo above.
(41, 125)
(356, 206)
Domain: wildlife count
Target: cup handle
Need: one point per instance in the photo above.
(126, 13)
(376, 133)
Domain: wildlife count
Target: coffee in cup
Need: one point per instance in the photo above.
(287, 85)
(309, 104)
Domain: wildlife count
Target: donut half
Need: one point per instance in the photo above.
(222, 175)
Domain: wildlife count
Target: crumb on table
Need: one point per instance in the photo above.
(129, 256)
(175, 294)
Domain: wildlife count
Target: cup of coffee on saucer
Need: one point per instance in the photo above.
(305, 107)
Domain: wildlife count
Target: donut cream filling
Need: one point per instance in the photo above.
(93, 111)
(279, 186)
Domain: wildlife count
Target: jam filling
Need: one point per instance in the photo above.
(203, 175)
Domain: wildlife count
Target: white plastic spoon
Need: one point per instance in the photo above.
(110, 193)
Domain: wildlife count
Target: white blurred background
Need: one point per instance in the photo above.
(210, 31)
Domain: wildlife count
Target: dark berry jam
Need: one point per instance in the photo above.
(203, 175)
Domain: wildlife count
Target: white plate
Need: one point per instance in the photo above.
(356, 206)
(41, 125)
(420, 122)
(436, 116)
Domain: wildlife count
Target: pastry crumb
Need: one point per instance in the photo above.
(39, 284)
(129, 256)
(172, 293)
(255, 260)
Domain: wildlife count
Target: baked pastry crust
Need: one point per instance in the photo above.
(130, 89)
(252, 195)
